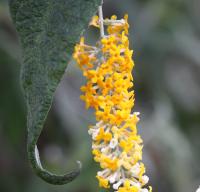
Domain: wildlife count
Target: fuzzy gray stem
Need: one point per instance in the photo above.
(101, 20)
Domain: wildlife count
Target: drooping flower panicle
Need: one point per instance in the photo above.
(116, 145)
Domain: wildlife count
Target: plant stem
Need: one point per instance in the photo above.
(101, 20)
(113, 22)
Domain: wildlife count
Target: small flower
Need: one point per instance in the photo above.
(113, 143)
(95, 21)
(103, 182)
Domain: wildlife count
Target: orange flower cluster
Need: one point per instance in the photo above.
(116, 145)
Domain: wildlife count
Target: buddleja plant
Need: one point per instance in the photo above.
(108, 69)
(48, 32)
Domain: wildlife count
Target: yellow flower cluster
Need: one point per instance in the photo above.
(116, 145)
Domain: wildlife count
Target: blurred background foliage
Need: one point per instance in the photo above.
(165, 36)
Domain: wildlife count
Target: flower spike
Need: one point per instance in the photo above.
(116, 145)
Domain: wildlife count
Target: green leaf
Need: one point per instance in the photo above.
(48, 31)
